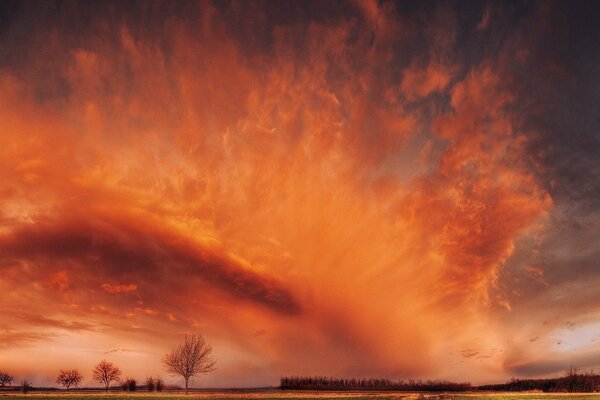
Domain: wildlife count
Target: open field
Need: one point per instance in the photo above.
(278, 395)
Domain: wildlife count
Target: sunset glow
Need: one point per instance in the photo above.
(355, 188)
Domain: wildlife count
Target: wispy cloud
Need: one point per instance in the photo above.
(342, 189)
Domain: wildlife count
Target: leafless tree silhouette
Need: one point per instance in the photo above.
(150, 385)
(106, 372)
(69, 378)
(191, 358)
(5, 379)
(26, 385)
(158, 382)
(129, 385)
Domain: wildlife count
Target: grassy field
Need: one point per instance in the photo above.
(298, 395)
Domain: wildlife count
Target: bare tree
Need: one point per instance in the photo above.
(106, 372)
(69, 378)
(26, 386)
(5, 379)
(191, 358)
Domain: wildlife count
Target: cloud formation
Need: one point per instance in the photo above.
(365, 190)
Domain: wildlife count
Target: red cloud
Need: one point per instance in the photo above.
(119, 288)
(329, 184)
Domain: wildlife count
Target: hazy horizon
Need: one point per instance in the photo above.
(387, 189)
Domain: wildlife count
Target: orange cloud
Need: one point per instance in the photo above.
(132, 287)
(316, 194)
(417, 83)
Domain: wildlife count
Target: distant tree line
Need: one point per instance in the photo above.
(573, 381)
(327, 383)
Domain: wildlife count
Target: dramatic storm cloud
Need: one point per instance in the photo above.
(389, 189)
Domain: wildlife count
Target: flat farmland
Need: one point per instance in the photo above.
(283, 395)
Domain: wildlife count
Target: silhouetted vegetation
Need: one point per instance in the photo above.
(150, 385)
(25, 386)
(154, 384)
(5, 379)
(571, 382)
(129, 385)
(191, 358)
(106, 372)
(69, 378)
(325, 383)
(159, 384)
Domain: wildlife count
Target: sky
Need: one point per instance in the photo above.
(404, 189)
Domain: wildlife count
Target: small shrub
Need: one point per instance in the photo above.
(150, 385)
(26, 386)
(159, 384)
(130, 385)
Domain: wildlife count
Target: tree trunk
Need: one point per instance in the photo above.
(186, 385)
